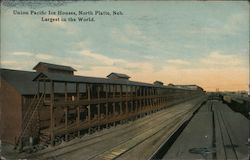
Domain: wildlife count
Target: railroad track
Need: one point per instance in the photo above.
(130, 136)
(78, 146)
(142, 124)
(115, 151)
(96, 141)
(229, 146)
(222, 138)
(129, 144)
(162, 130)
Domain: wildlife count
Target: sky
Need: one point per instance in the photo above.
(203, 43)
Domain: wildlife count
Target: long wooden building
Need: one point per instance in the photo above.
(53, 104)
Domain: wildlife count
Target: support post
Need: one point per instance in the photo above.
(132, 106)
(88, 88)
(78, 121)
(88, 107)
(38, 89)
(44, 89)
(136, 101)
(126, 109)
(98, 107)
(113, 105)
(106, 104)
(126, 103)
(66, 122)
(136, 109)
(140, 103)
(89, 114)
(144, 99)
(121, 99)
(106, 112)
(98, 116)
(120, 104)
(78, 109)
(38, 109)
(106, 93)
(52, 118)
(66, 110)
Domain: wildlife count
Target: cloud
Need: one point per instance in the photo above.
(116, 62)
(150, 57)
(8, 62)
(237, 22)
(39, 56)
(27, 65)
(25, 60)
(190, 46)
(129, 34)
(177, 62)
(217, 59)
(133, 30)
(43, 56)
(232, 25)
(81, 45)
(98, 57)
(22, 54)
(216, 70)
(208, 78)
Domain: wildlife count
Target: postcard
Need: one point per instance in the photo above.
(124, 80)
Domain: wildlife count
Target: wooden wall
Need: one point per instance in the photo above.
(10, 113)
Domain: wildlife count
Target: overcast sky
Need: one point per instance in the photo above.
(204, 43)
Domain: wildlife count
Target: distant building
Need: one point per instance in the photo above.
(54, 68)
(158, 83)
(190, 86)
(114, 75)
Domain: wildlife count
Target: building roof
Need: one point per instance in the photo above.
(54, 66)
(158, 83)
(20, 80)
(188, 86)
(84, 79)
(24, 81)
(184, 85)
(70, 78)
(119, 75)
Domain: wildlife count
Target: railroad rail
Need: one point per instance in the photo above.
(124, 138)
(222, 138)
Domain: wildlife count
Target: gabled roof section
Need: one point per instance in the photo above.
(57, 77)
(84, 79)
(54, 66)
(20, 80)
(188, 86)
(158, 83)
(118, 75)
(24, 81)
(41, 75)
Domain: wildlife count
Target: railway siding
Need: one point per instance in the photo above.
(216, 132)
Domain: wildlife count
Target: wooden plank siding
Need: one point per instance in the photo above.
(11, 113)
(66, 103)
(104, 104)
